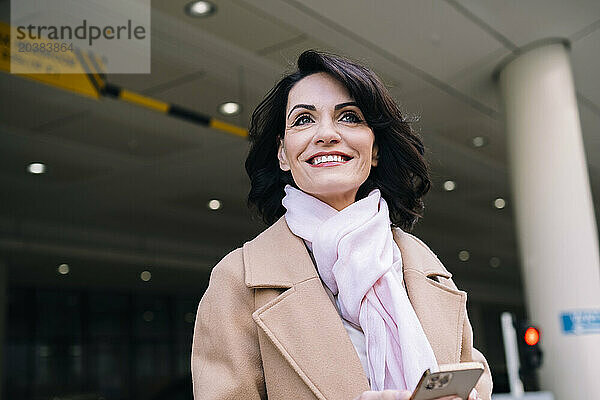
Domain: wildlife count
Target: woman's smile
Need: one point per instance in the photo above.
(328, 159)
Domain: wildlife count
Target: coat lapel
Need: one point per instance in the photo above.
(305, 327)
(302, 322)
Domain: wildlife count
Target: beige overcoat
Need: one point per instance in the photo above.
(266, 328)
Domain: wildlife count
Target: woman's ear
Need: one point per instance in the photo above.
(375, 155)
(283, 162)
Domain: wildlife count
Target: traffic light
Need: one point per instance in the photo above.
(530, 353)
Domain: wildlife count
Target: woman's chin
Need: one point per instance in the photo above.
(334, 188)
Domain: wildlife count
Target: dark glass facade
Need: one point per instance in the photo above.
(74, 344)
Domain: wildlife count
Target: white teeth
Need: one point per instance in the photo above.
(322, 159)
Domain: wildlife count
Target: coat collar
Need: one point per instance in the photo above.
(304, 326)
(267, 266)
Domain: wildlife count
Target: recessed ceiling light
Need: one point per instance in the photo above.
(145, 276)
(36, 168)
(463, 255)
(494, 262)
(230, 108)
(214, 204)
(200, 9)
(449, 186)
(63, 269)
(479, 141)
(499, 203)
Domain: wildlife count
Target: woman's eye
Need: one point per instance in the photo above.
(303, 119)
(351, 117)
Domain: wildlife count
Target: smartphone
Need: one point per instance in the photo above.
(452, 379)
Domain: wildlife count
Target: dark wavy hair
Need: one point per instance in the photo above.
(402, 173)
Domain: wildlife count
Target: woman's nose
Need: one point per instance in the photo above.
(327, 133)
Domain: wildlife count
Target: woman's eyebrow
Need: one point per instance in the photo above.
(342, 105)
(307, 106)
(313, 108)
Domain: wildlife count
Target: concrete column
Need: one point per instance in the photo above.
(554, 213)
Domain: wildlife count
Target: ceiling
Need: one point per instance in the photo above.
(128, 187)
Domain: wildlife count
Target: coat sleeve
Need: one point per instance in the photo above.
(469, 353)
(226, 362)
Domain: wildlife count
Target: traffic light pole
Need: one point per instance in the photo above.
(511, 351)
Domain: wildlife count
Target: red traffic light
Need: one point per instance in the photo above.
(532, 336)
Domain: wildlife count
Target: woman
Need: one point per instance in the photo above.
(334, 300)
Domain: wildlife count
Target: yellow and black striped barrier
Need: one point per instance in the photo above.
(86, 78)
(171, 109)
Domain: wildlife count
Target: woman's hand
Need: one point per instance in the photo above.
(399, 395)
(405, 395)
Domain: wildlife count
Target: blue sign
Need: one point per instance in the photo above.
(580, 322)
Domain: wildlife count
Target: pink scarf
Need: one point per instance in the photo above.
(359, 262)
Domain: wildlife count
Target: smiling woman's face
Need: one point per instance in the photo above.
(321, 117)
